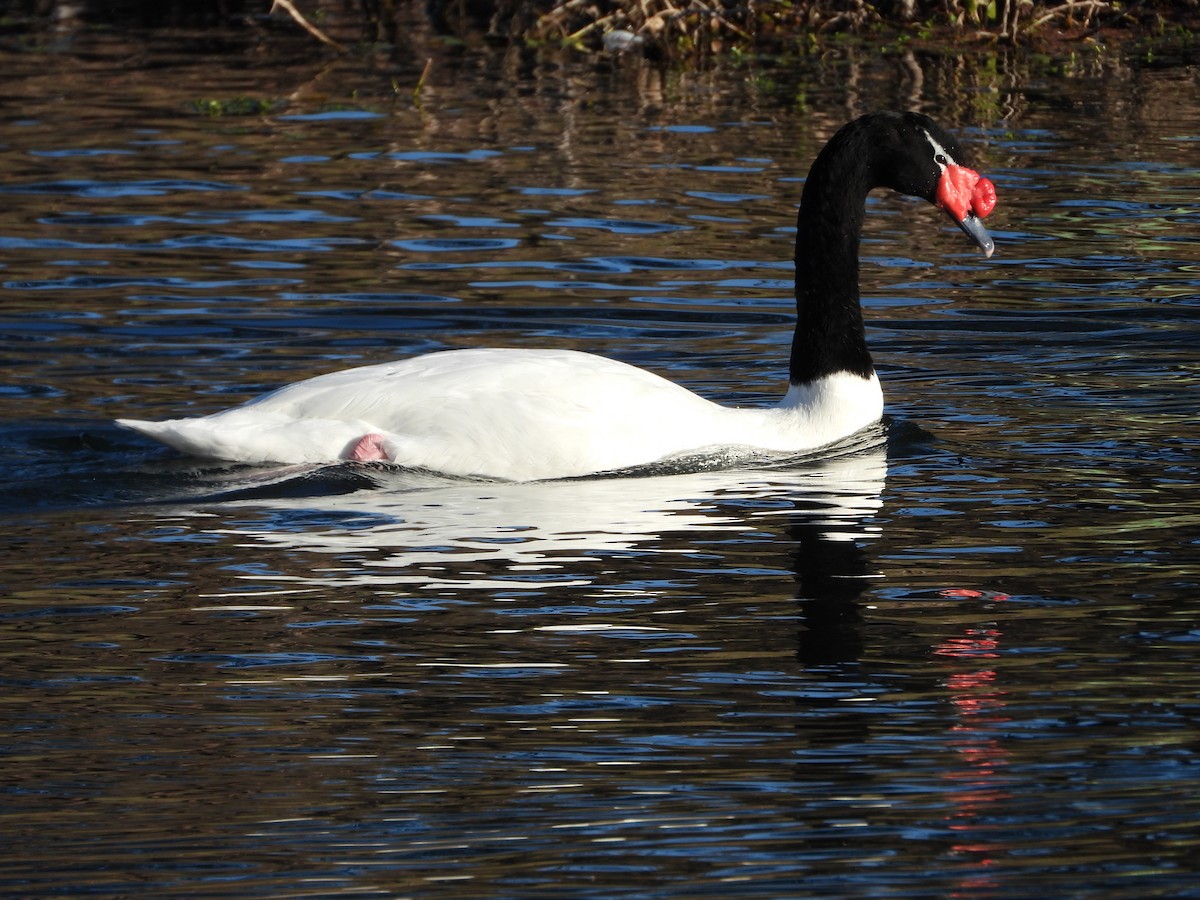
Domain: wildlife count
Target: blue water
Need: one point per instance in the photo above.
(957, 658)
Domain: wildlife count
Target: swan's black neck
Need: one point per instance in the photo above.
(829, 324)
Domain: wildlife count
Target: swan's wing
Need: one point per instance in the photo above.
(508, 413)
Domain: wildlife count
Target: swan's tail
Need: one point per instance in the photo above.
(255, 438)
(180, 434)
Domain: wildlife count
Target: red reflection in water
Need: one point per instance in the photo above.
(979, 785)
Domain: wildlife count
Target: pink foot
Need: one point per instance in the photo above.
(367, 448)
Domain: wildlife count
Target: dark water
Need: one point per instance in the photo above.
(959, 660)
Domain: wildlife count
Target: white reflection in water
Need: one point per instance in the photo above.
(514, 536)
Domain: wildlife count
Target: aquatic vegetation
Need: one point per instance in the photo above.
(687, 27)
(232, 106)
(683, 29)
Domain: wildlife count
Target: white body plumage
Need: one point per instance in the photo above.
(514, 414)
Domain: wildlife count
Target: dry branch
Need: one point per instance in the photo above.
(290, 9)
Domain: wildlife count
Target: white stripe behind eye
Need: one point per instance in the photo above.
(938, 148)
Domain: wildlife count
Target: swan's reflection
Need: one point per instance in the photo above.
(412, 531)
(431, 539)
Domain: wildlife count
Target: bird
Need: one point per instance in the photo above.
(517, 414)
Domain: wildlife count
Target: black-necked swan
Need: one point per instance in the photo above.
(535, 414)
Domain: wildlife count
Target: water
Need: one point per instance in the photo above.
(957, 659)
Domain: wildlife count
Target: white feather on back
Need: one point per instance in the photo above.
(514, 414)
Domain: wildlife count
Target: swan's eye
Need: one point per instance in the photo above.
(941, 160)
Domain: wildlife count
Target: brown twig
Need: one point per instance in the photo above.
(421, 81)
(556, 17)
(1070, 6)
(287, 7)
(720, 17)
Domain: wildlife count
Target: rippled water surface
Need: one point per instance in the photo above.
(959, 659)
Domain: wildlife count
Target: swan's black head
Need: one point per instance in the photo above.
(910, 153)
(915, 155)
